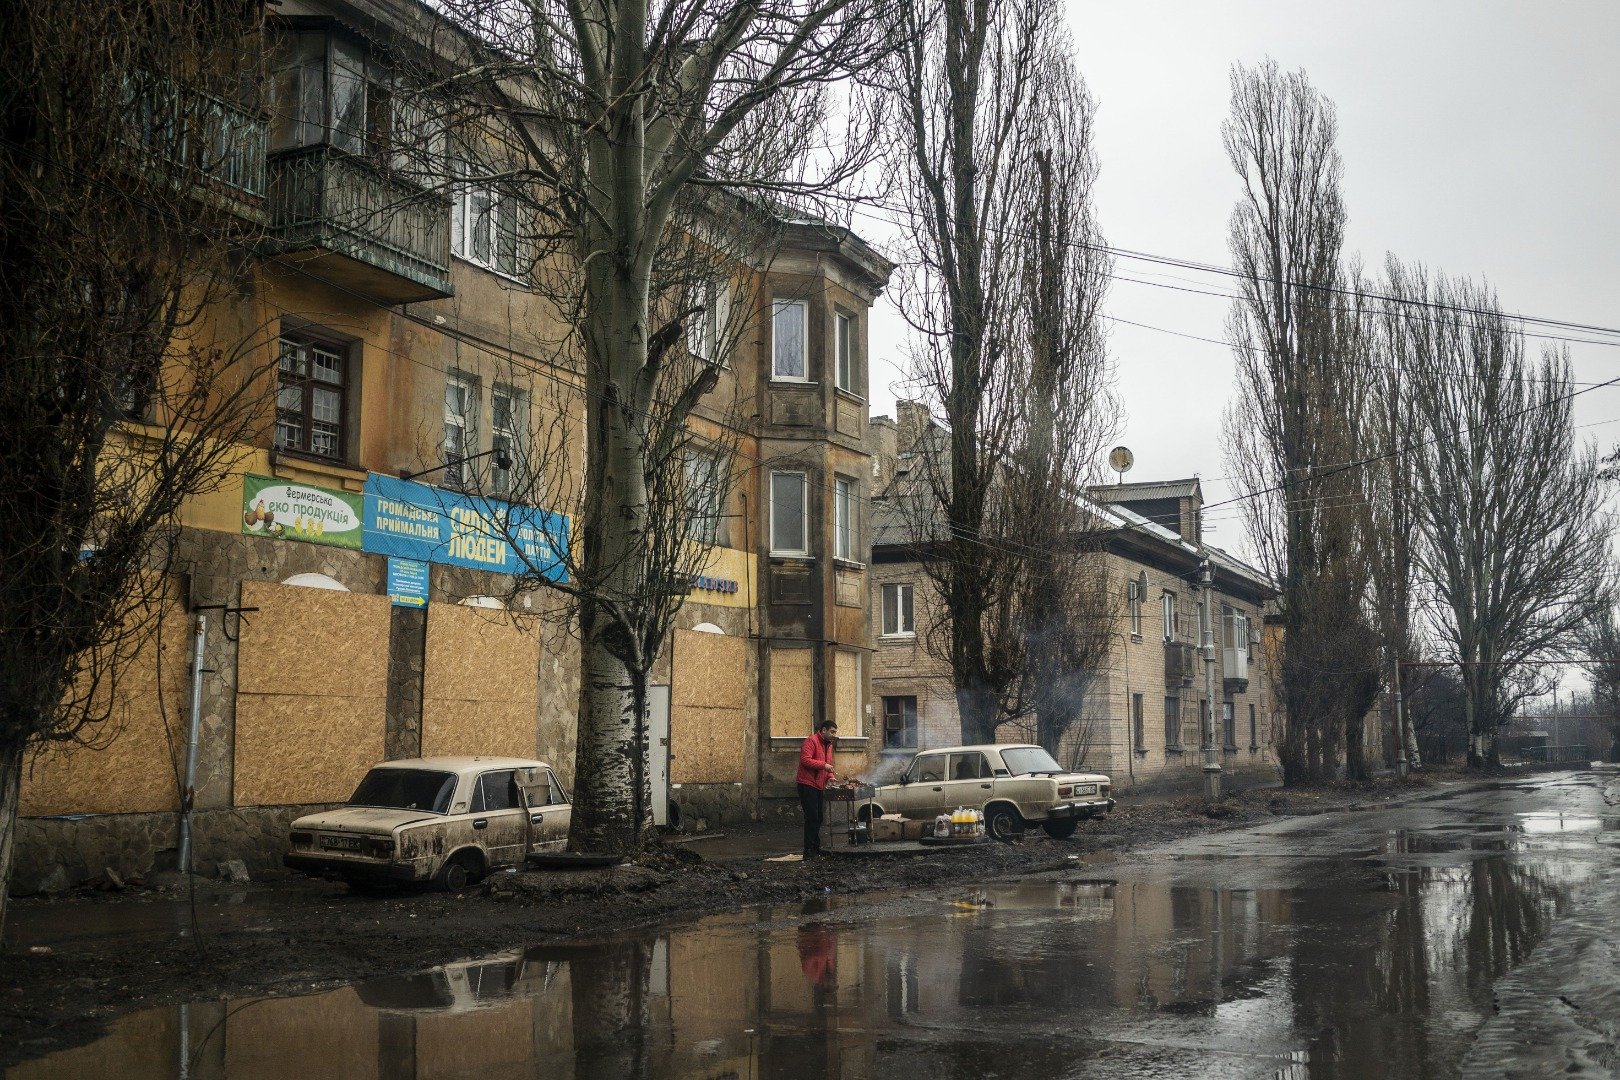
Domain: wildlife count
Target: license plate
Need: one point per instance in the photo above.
(340, 843)
(1085, 789)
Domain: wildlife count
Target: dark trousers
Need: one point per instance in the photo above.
(811, 803)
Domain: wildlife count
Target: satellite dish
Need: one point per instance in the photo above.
(1120, 459)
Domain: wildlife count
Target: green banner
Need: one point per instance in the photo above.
(288, 511)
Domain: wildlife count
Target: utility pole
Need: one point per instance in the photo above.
(1403, 759)
(1212, 759)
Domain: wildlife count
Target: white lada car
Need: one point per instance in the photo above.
(447, 820)
(1014, 786)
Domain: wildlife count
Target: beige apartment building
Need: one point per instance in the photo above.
(1143, 715)
(354, 601)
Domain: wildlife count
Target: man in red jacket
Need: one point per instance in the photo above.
(815, 773)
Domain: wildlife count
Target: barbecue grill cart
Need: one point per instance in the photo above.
(849, 796)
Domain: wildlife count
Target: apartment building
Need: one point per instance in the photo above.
(352, 586)
(1144, 711)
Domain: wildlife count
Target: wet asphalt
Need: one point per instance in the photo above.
(1469, 932)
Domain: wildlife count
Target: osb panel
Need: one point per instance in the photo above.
(312, 642)
(128, 770)
(707, 745)
(479, 654)
(294, 749)
(127, 765)
(710, 670)
(452, 727)
(847, 692)
(792, 694)
(337, 1036)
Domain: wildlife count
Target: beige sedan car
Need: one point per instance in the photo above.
(1012, 784)
(447, 820)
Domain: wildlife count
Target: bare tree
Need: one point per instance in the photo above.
(994, 165)
(1295, 422)
(1514, 549)
(125, 168)
(1600, 642)
(628, 131)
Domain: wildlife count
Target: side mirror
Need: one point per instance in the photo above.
(904, 778)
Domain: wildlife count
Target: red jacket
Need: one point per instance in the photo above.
(815, 763)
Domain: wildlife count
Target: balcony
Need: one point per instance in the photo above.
(213, 147)
(1235, 669)
(352, 223)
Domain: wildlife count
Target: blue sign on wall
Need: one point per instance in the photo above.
(407, 582)
(417, 521)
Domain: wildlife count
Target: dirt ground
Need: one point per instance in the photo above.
(293, 936)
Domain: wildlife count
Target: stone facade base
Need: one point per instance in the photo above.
(53, 854)
(707, 807)
(1235, 776)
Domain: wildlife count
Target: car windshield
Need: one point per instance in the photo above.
(1021, 760)
(406, 789)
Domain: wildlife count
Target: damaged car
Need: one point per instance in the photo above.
(443, 820)
(1014, 785)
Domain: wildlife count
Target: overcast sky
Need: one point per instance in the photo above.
(1478, 137)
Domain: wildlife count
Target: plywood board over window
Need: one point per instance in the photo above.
(127, 763)
(792, 692)
(707, 708)
(847, 696)
(311, 703)
(481, 684)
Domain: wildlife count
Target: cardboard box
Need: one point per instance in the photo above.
(884, 830)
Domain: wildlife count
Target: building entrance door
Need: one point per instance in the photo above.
(658, 752)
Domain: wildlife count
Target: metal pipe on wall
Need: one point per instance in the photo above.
(193, 736)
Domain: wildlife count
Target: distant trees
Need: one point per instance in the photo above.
(993, 164)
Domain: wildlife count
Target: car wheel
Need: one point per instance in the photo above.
(1061, 828)
(1003, 822)
(458, 871)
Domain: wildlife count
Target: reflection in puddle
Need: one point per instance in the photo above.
(1035, 979)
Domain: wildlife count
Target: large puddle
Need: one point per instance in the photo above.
(1381, 967)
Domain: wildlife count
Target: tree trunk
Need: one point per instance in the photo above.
(11, 761)
(979, 711)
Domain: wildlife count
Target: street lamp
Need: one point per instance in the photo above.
(1212, 758)
(503, 460)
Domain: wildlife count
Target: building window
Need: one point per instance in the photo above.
(1133, 602)
(1229, 725)
(508, 413)
(787, 341)
(844, 517)
(1138, 729)
(788, 514)
(704, 328)
(844, 352)
(460, 399)
(703, 497)
(1172, 723)
(1254, 731)
(484, 223)
(1171, 620)
(899, 723)
(898, 619)
(311, 383)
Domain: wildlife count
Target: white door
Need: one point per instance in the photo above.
(658, 751)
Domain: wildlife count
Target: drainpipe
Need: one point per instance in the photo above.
(193, 735)
(1212, 759)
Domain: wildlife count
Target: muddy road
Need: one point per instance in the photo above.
(1467, 931)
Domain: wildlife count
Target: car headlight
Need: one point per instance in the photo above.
(380, 847)
(302, 839)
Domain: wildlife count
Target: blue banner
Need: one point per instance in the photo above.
(418, 521)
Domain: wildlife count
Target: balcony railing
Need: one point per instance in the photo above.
(1235, 663)
(391, 238)
(218, 146)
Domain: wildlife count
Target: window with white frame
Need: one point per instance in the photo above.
(508, 416)
(898, 615)
(1133, 601)
(900, 723)
(705, 328)
(789, 514)
(703, 497)
(844, 352)
(788, 345)
(1168, 611)
(844, 518)
(460, 400)
(484, 223)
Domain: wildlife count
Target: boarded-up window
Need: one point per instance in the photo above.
(480, 689)
(792, 692)
(847, 692)
(707, 708)
(312, 673)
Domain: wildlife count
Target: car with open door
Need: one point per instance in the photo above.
(445, 820)
(1014, 785)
